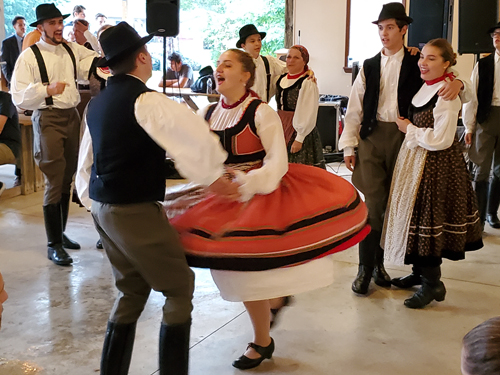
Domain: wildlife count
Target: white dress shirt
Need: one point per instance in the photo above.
(185, 136)
(306, 111)
(276, 68)
(270, 131)
(27, 89)
(470, 108)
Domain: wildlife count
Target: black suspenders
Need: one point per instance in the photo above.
(43, 68)
(268, 74)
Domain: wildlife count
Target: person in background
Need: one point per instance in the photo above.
(481, 349)
(268, 68)
(3, 297)
(380, 94)
(179, 74)
(481, 118)
(144, 250)
(432, 211)
(56, 123)
(12, 47)
(10, 135)
(100, 19)
(298, 101)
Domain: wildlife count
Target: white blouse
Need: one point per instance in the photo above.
(267, 178)
(306, 112)
(445, 121)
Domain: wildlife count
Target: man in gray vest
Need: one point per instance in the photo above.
(481, 118)
(380, 94)
(44, 81)
(122, 170)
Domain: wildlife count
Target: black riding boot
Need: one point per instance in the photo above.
(481, 188)
(493, 203)
(67, 243)
(405, 282)
(380, 275)
(366, 265)
(117, 349)
(432, 289)
(174, 348)
(53, 227)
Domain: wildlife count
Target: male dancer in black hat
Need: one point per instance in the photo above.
(484, 110)
(123, 170)
(380, 94)
(44, 80)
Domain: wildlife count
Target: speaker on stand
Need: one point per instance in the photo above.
(162, 18)
(431, 19)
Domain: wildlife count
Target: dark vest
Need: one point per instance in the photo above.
(486, 70)
(286, 99)
(241, 141)
(408, 85)
(129, 167)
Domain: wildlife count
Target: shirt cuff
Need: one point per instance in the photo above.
(411, 136)
(349, 151)
(300, 138)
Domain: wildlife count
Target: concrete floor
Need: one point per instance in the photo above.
(55, 318)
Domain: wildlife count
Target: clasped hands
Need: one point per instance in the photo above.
(226, 186)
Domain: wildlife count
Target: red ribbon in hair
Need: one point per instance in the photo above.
(439, 79)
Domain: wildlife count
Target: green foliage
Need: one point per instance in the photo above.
(217, 6)
(222, 29)
(25, 8)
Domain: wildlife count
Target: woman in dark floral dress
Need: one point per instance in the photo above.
(298, 100)
(432, 209)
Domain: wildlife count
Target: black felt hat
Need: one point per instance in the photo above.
(497, 26)
(46, 12)
(246, 31)
(119, 41)
(393, 10)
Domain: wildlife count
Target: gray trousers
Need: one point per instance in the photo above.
(145, 253)
(377, 155)
(55, 143)
(485, 149)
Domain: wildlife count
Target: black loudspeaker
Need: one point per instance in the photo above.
(474, 19)
(431, 19)
(162, 17)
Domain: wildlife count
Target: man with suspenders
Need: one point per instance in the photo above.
(44, 81)
(268, 68)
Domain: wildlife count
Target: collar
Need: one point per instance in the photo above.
(497, 57)
(295, 76)
(47, 46)
(426, 93)
(397, 56)
(234, 105)
(449, 75)
(131, 75)
(18, 37)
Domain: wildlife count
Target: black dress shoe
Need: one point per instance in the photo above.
(381, 277)
(362, 280)
(492, 219)
(245, 363)
(425, 295)
(70, 244)
(58, 255)
(99, 244)
(274, 312)
(407, 281)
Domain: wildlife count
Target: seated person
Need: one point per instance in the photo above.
(10, 135)
(179, 74)
(481, 349)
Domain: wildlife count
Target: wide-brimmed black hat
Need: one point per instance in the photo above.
(393, 10)
(246, 31)
(497, 26)
(46, 12)
(119, 41)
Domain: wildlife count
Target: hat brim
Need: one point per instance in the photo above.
(242, 40)
(37, 22)
(105, 62)
(493, 29)
(407, 19)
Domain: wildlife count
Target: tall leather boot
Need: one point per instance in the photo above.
(174, 348)
(481, 188)
(432, 289)
(366, 265)
(67, 243)
(405, 282)
(493, 203)
(380, 276)
(54, 228)
(117, 349)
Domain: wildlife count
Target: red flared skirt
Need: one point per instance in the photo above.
(311, 214)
